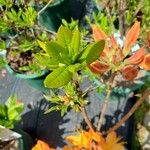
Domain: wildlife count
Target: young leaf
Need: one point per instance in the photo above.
(92, 52)
(75, 43)
(56, 51)
(58, 78)
(74, 68)
(42, 45)
(64, 36)
(95, 51)
(131, 37)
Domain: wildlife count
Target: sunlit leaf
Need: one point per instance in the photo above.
(64, 36)
(58, 77)
(75, 43)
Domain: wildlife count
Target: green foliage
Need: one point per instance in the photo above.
(2, 62)
(2, 45)
(72, 25)
(21, 18)
(70, 99)
(7, 3)
(10, 112)
(67, 56)
(103, 20)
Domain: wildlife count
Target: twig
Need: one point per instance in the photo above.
(140, 5)
(86, 118)
(132, 110)
(105, 104)
(121, 7)
(89, 89)
(44, 7)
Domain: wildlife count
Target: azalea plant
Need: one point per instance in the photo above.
(110, 61)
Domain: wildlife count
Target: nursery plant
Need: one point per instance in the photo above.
(10, 112)
(19, 32)
(111, 63)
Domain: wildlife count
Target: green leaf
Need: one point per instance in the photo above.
(14, 108)
(92, 52)
(55, 51)
(58, 78)
(47, 62)
(75, 43)
(74, 68)
(3, 113)
(42, 45)
(95, 51)
(64, 36)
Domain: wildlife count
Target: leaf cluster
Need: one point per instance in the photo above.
(21, 18)
(65, 56)
(70, 99)
(10, 112)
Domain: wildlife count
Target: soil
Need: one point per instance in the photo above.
(19, 60)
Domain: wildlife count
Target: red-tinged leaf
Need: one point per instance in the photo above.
(99, 34)
(129, 72)
(41, 145)
(131, 37)
(113, 41)
(136, 58)
(98, 68)
(146, 62)
(148, 39)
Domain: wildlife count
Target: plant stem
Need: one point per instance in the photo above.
(132, 110)
(44, 7)
(105, 104)
(121, 7)
(104, 107)
(86, 118)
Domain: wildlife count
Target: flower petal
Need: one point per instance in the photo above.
(41, 145)
(136, 58)
(129, 72)
(146, 62)
(98, 68)
(99, 34)
(113, 41)
(131, 37)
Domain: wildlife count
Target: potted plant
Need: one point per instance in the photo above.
(68, 58)
(19, 48)
(9, 117)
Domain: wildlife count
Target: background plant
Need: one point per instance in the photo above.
(10, 112)
(19, 31)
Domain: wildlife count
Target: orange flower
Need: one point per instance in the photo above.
(42, 146)
(112, 142)
(114, 58)
(94, 141)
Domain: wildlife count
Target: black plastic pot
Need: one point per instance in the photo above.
(51, 18)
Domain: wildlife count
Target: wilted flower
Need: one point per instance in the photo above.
(115, 58)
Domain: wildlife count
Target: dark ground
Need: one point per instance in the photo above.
(52, 127)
